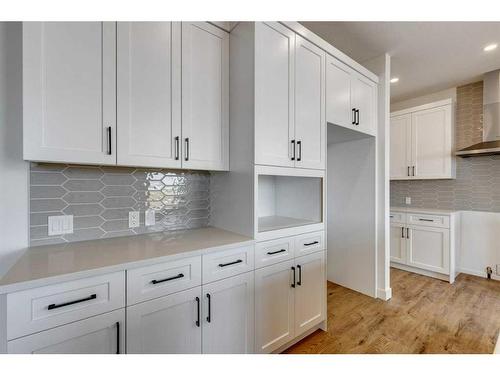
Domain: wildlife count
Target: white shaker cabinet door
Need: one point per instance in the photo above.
(310, 125)
(398, 243)
(274, 306)
(69, 92)
(429, 248)
(432, 143)
(205, 96)
(228, 315)
(363, 99)
(310, 291)
(400, 149)
(338, 93)
(148, 94)
(101, 334)
(274, 94)
(166, 325)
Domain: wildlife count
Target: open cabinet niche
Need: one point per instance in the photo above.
(351, 207)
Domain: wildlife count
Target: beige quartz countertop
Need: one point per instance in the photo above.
(423, 210)
(56, 263)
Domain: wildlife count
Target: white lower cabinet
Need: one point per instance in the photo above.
(228, 315)
(398, 243)
(169, 324)
(290, 299)
(102, 334)
(429, 248)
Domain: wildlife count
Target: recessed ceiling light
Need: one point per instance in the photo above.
(394, 80)
(490, 47)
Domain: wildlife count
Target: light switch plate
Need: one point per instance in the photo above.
(150, 218)
(408, 200)
(62, 224)
(133, 219)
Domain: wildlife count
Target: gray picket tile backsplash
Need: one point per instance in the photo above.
(100, 199)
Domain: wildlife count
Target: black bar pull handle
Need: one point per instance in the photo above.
(230, 263)
(299, 267)
(209, 316)
(186, 141)
(299, 146)
(293, 284)
(413, 171)
(311, 243)
(353, 113)
(276, 252)
(117, 337)
(293, 149)
(408, 171)
(429, 220)
(108, 132)
(54, 306)
(179, 276)
(198, 312)
(408, 233)
(176, 148)
(357, 116)
(402, 232)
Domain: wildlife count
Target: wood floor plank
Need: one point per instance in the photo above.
(425, 315)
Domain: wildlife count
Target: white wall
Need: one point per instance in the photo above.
(382, 67)
(351, 238)
(440, 95)
(13, 170)
(480, 242)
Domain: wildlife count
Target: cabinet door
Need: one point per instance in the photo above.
(398, 243)
(166, 325)
(228, 315)
(274, 94)
(69, 92)
(429, 248)
(432, 143)
(274, 306)
(148, 94)
(309, 105)
(310, 291)
(400, 150)
(363, 93)
(338, 93)
(205, 96)
(101, 334)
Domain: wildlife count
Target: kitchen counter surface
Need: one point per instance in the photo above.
(424, 210)
(42, 265)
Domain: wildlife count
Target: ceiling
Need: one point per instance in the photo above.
(426, 56)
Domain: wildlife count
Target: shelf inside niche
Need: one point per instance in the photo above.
(268, 223)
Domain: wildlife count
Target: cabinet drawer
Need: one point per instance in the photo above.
(158, 280)
(309, 243)
(222, 264)
(42, 308)
(397, 217)
(439, 221)
(275, 251)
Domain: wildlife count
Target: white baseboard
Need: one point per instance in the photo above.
(384, 294)
(477, 273)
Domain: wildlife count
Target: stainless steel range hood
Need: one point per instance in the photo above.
(491, 119)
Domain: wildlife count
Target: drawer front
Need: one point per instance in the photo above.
(397, 217)
(275, 251)
(222, 264)
(50, 306)
(159, 280)
(309, 243)
(440, 221)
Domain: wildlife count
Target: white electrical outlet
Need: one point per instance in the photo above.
(62, 224)
(133, 219)
(408, 200)
(150, 218)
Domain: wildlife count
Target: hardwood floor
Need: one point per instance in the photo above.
(425, 315)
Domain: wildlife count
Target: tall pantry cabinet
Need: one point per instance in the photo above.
(148, 94)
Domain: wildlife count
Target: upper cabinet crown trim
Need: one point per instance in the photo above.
(323, 44)
(422, 107)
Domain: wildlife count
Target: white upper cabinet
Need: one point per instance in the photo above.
(422, 142)
(69, 97)
(310, 124)
(350, 98)
(205, 96)
(148, 94)
(274, 94)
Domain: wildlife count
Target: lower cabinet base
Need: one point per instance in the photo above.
(321, 326)
(449, 278)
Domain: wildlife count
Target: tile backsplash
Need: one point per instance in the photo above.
(100, 198)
